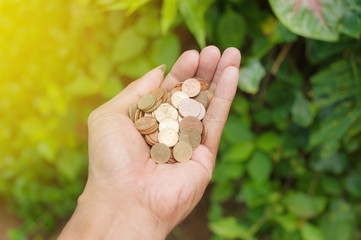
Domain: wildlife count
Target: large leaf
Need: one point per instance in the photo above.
(234, 25)
(310, 18)
(250, 76)
(337, 91)
(194, 20)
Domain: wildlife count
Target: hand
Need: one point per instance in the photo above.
(127, 195)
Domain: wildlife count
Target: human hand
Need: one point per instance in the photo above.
(127, 195)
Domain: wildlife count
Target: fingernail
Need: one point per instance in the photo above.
(162, 67)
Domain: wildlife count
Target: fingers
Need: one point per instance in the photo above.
(133, 92)
(217, 112)
(185, 67)
(208, 61)
(230, 57)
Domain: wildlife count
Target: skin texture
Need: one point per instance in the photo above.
(127, 195)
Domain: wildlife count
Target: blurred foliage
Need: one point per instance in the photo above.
(289, 161)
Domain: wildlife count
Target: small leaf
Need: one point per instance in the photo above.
(311, 232)
(250, 76)
(239, 152)
(353, 184)
(301, 111)
(169, 13)
(303, 205)
(235, 26)
(227, 228)
(259, 167)
(268, 141)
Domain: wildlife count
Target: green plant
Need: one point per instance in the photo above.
(288, 164)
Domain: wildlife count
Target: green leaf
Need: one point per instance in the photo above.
(281, 34)
(169, 13)
(287, 221)
(268, 141)
(330, 185)
(227, 171)
(301, 111)
(340, 221)
(311, 232)
(227, 228)
(250, 76)
(311, 19)
(235, 130)
(335, 163)
(235, 26)
(259, 167)
(255, 194)
(350, 23)
(239, 152)
(302, 205)
(194, 20)
(353, 184)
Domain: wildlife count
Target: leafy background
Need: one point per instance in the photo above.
(289, 162)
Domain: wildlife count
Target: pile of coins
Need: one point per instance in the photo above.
(171, 122)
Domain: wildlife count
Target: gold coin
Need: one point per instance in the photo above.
(146, 102)
(202, 112)
(132, 109)
(160, 153)
(169, 123)
(155, 106)
(177, 97)
(191, 87)
(168, 136)
(164, 111)
(204, 134)
(191, 122)
(202, 98)
(145, 124)
(189, 107)
(204, 83)
(158, 93)
(191, 136)
(182, 151)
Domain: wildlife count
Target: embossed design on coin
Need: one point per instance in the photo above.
(191, 87)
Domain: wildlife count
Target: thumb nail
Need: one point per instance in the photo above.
(162, 67)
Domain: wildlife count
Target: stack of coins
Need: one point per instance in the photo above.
(171, 122)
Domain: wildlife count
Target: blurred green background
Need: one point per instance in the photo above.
(289, 163)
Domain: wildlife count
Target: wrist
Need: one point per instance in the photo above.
(99, 218)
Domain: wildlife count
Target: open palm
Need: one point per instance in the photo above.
(119, 158)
